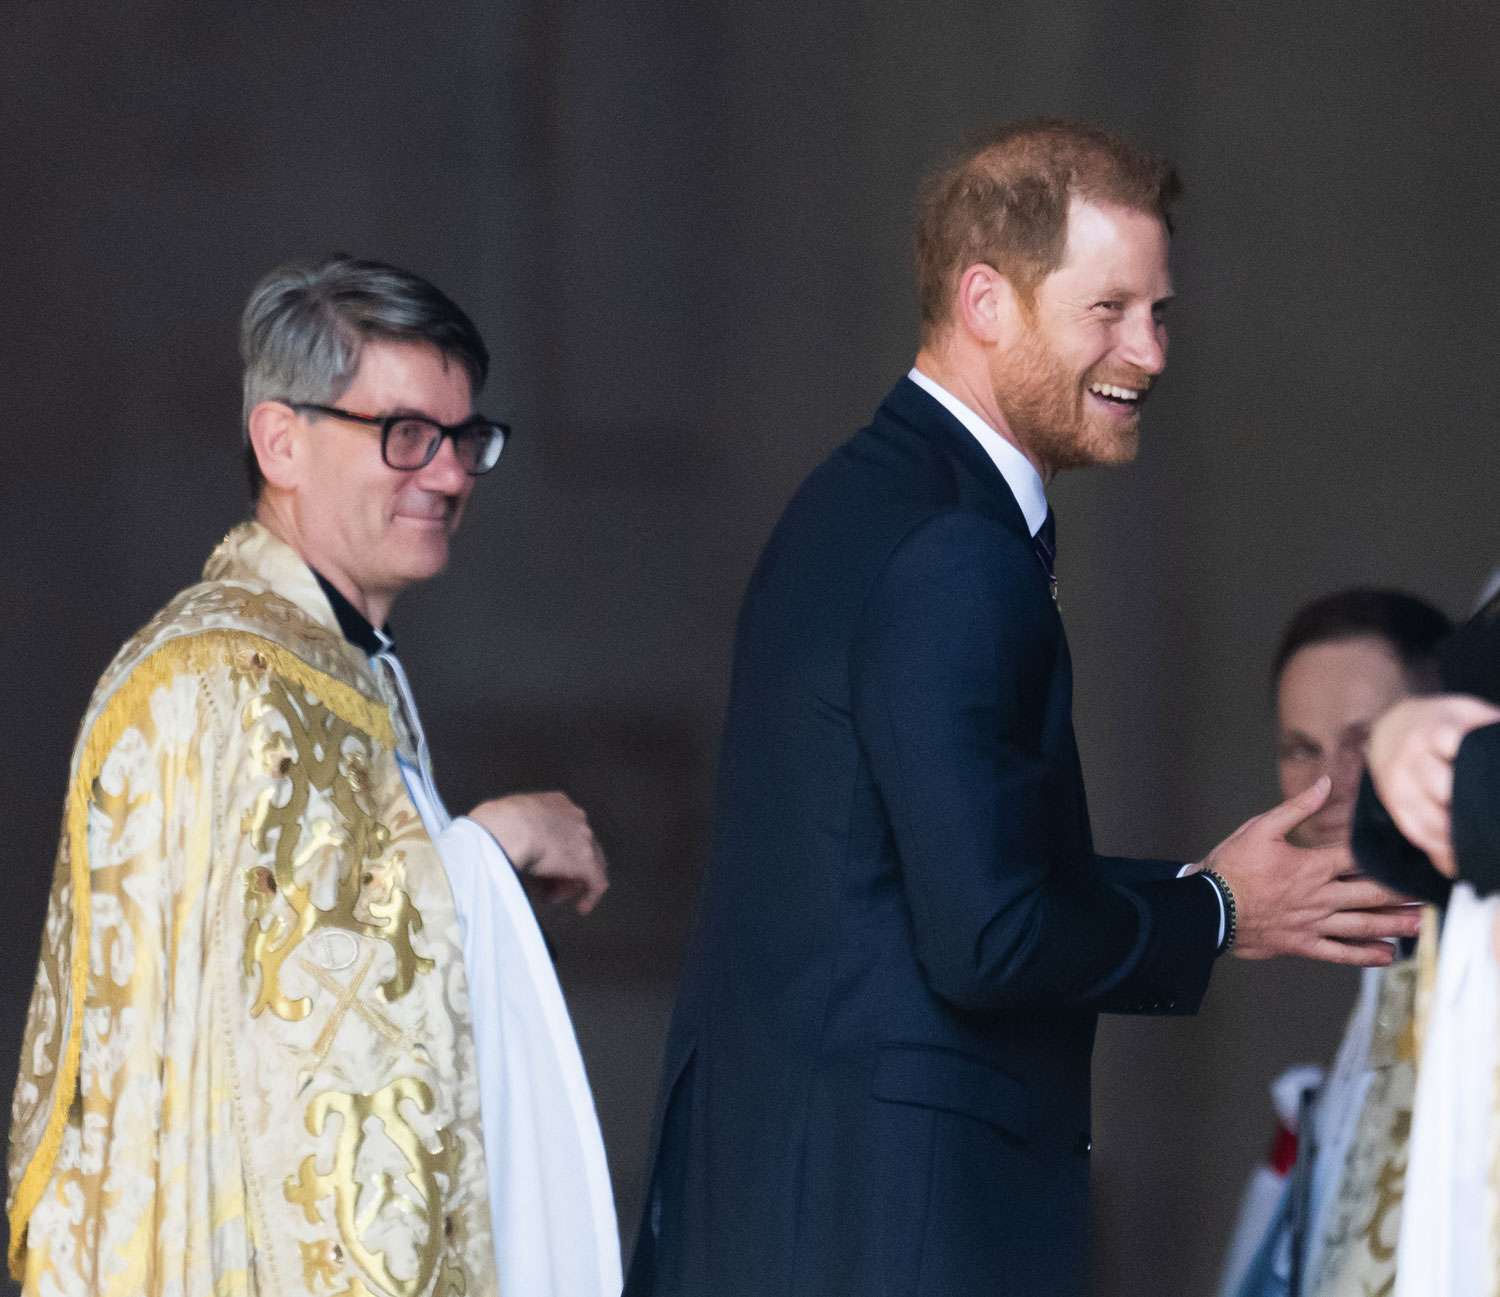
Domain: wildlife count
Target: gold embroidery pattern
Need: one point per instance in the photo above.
(320, 1263)
(359, 1203)
(346, 1001)
(1359, 1240)
(313, 750)
(1389, 1186)
(121, 1084)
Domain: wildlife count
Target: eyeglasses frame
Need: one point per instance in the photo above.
(385, 422)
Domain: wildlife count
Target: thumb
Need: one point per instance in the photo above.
(1282, 819)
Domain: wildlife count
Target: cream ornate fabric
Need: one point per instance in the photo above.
(248, 1065)
(1355, 1253)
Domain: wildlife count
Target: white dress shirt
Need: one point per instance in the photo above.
(1024, 481)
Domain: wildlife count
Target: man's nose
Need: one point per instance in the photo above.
(1145, 344)
(443, 472)
(1345, 769)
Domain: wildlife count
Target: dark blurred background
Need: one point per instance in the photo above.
(684, 230)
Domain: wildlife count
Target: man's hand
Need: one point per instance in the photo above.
(549, 841)
(1306, 900)
(1411, 765)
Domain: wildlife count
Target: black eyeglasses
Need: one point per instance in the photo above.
(410, 441)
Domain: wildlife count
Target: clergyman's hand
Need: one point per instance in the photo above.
(1412, 748)
(1306, 901)
(549, 841)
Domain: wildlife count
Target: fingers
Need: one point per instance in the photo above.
(1417, 796)
(573, 859)
(1372, 925)
(595, 881)
(1443, 860)
(1358, 893)
(550, 842)
(1281, 820)
(1427, 828)
(1460, 714)
(1411, 762)
(1360, 954)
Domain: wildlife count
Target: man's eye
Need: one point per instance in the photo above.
(1109, 306)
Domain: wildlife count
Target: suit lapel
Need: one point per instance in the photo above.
(981, 484)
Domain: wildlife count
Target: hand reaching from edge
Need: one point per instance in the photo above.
(1306, 901)
(549, 841)
(1412, 748)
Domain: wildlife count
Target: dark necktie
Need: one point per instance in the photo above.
(1045, 544)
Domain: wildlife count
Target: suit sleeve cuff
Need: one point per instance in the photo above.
(1188, 870)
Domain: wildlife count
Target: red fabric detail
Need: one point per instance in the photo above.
(1283, 1150)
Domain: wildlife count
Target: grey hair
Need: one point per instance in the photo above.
(306, 323)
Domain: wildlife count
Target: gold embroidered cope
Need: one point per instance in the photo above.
(248, 1065)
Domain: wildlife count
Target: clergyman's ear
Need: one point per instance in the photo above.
(273, 429)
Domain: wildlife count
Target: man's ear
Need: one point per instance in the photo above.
(273, 435)
(987, 305)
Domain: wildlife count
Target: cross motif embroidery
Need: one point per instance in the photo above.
(346, 1000)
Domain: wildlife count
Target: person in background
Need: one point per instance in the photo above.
(1343, 660)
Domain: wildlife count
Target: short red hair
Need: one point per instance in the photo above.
(1004, 202)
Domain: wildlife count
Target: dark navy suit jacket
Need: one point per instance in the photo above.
(877, 1075)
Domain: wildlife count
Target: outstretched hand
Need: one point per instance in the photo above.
(548, 839)
(1306, 901)
(1412, 748)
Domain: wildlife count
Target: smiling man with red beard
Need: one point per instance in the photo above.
(877, 1075)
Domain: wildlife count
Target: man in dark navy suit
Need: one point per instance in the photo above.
(877, 1076)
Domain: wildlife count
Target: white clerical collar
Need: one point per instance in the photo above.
(1024, 481)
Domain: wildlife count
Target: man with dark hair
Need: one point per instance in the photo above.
(294, 1028)
(877, 1075)
(1343, 660)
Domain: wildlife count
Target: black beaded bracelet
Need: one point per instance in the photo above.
(1231, 918)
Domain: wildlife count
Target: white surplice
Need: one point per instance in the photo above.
(551, 1204)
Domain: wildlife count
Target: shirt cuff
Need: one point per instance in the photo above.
(1218, 896)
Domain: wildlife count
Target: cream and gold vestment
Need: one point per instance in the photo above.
(1358, 1222)
(248, 1064)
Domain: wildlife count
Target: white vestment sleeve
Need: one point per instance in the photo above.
(1447, 1246)
(550, 1197)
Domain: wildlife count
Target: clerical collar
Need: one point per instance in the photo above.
(357, 630)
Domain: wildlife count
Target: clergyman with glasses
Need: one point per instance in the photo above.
(294, 1028)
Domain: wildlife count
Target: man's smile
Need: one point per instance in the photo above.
(433, 511)
(1126, 400)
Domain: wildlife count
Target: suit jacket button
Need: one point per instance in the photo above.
(1084, 1145)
